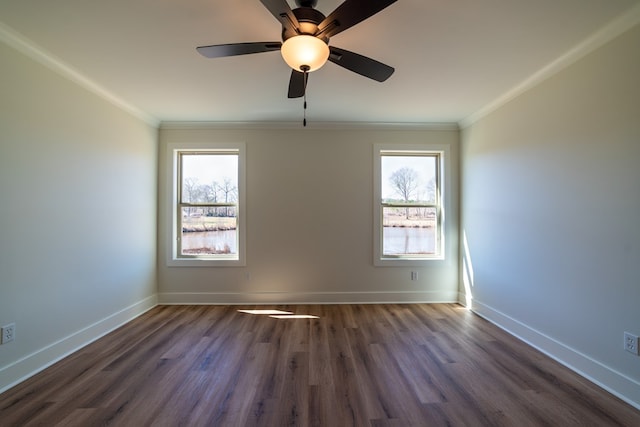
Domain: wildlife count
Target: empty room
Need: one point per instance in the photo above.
(320, 213)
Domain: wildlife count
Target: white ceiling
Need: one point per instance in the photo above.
(452, 57)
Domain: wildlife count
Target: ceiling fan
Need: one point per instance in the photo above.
(305, 40)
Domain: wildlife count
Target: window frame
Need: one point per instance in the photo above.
(175, 205)
(442, 167)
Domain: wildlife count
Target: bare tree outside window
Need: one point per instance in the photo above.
(405, 183)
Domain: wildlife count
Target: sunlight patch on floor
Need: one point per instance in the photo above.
(294, 316)
(266, 312)
(279, 314)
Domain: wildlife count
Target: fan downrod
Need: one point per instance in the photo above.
(306, 3)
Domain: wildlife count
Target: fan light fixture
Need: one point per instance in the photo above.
(305, 53)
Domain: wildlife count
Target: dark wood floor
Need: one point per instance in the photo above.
(356, 365)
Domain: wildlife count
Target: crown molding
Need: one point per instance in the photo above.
(25, 46)
(607, 33)
(182, 125)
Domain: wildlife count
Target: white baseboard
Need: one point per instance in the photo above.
(257, 298)
(30, 365)
(609, 379)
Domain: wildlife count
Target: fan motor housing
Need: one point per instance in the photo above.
(309, 19)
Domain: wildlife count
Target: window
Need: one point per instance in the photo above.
(207, 205)
(409, 214)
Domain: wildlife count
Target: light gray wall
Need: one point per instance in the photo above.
(78, 184)
(309, 221)
(551, 211)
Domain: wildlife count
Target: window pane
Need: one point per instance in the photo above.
(408, 178)
(409, 231)
(209, 178)
(209, 231)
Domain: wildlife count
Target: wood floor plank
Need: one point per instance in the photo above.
(375, 402)
(351, 404)
(354, 365)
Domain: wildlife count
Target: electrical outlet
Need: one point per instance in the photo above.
(8, 333)
(631, 343)
(414, 275)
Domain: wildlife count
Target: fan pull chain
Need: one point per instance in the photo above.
(304, 120)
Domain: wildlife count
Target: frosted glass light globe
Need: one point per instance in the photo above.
(304, 51)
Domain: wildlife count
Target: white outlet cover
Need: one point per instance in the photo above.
(631, 343)
(8, 333)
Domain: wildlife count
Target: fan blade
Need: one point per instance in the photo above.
(350, 13)
(233, 49)
(360, 64)
(297, 84)
(283, 13)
